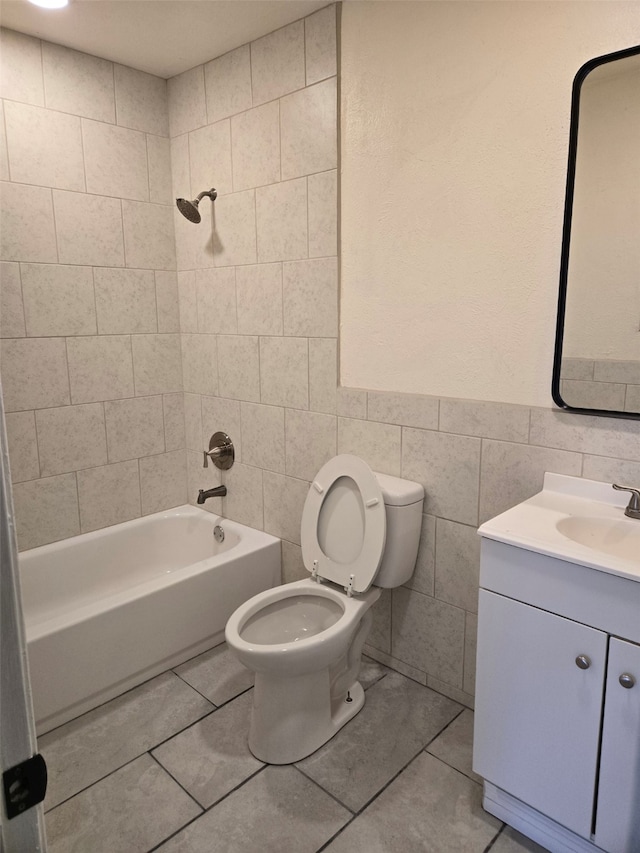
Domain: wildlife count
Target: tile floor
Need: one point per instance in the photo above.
(166, 767)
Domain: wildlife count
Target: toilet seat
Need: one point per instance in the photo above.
(344, 514)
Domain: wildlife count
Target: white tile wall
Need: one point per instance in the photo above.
(141, 101)
(71, 312)
(27, 231)
(281, 218)
(277, 63)
(4, 157)
(34, 373)
(125, 301)
(228, 84)
(89, 229)
(115, 160)
(320, 45)
(135, 428)
(23, 446)
(70, 438)
(187, 104)
(78, 83)
(256, 146)
(91, 357)
(210, 159)
(21, 68)
(308, 122)
(44, 147)
(259, 295)
(100, 368)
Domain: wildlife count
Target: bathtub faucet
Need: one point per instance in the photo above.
(217, 492)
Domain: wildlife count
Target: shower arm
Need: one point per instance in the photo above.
(212, 194)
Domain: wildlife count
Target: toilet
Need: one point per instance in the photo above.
(359, 533)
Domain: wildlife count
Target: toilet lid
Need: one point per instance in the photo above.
(344, 523)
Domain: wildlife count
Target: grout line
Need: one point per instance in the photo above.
(495, 838)
(146, 151)
(455, 769)
(444, 728)
(130, 760)
(322, 788)
(92, 784)
(177, 781)
(207, 810)
(335, 835)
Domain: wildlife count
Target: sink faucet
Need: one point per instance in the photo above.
(216, 492)
(633, 509)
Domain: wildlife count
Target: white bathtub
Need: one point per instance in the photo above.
(107, 610)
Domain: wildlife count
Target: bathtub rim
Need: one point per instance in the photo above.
(249, 540)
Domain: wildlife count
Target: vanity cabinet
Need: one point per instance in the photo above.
(557, 733)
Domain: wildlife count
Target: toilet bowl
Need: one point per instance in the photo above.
(359, 532)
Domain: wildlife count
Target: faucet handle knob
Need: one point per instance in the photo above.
(633, 509)
(206, 460)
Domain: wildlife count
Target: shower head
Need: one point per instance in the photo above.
(189, 209)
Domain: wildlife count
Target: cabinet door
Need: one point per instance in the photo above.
(618, 808)
(537, 719)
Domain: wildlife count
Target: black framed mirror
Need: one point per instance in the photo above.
(596, 369)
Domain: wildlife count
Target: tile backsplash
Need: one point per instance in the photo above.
(108, 384)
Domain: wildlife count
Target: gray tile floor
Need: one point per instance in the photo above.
(166, 767)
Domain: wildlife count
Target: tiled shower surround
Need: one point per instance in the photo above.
(95, 379)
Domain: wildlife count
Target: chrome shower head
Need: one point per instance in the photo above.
(189, 209)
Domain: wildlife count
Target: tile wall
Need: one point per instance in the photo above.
(258, 305)
(91, 367)
(258, 278)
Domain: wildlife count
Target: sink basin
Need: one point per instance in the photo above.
(619, 538)
(574, 519)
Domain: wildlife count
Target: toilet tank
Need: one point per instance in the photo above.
(403, 501)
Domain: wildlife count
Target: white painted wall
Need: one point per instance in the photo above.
(455, 120)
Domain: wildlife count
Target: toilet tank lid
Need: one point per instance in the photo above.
(399, 492)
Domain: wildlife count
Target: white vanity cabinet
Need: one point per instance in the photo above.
(557, 733)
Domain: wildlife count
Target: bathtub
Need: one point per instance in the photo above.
(107, 610)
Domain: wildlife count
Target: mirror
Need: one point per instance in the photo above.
(597, 356)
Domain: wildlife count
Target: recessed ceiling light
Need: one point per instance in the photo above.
(50, 4)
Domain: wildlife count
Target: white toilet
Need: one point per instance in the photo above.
(304, 640)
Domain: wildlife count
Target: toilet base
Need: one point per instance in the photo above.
(293, 717)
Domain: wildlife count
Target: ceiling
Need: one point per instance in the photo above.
(162, 37)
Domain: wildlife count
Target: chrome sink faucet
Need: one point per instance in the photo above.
(633, 509)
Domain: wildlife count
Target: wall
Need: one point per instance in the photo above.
(90, 364)
(455, 122)
(258, 278)
(454, 150)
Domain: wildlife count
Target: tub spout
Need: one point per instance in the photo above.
(217, 492)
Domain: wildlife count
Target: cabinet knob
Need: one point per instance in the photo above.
(583, 662)
(627, 680)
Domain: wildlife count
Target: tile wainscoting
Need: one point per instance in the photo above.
(475, 459)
